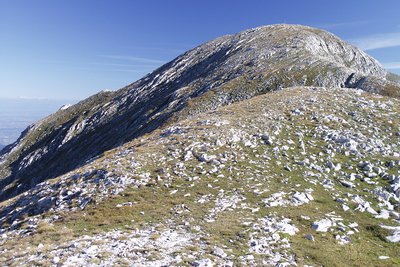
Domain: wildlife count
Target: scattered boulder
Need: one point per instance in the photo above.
(322, 225)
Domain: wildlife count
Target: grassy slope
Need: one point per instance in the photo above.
(253, 168)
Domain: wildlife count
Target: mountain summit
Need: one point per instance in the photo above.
(226, 70)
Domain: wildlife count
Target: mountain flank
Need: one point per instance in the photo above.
(226, 70)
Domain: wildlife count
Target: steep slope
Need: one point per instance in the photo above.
(301, 176)
(222, 71)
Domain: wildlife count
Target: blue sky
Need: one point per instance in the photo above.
(72, 49)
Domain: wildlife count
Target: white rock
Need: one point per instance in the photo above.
(327, 183)
(203, 263)
(353, 225)
(331, 165)
(249, 257)
(56, 259)
(384, 214)
(92, 250)
(285, 148)
(188, 155)
(66, 106)
(395, 215)
(250, 144)
(363, 205)
(266, 240)
(285, 227)
(322, 225)
(276, 199)
(347, 184)
(395, 237)
(219, 252)
(125, 204)
(342, 240)
(301, 198)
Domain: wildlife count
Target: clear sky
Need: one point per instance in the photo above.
(74, 48)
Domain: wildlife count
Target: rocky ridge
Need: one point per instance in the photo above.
(284, 133)
(225, 70)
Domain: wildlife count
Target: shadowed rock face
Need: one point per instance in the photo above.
(228, 69)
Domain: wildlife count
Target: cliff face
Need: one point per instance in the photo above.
(226, 70)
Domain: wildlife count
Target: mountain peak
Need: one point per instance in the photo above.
(225, 70)
(288, 41)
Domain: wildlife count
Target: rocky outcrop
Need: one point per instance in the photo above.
(226, 70)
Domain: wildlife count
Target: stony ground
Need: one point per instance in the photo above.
(299, 177)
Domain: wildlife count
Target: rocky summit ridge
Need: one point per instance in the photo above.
(284, 133)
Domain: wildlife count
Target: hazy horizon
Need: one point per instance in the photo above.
(16, 114)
